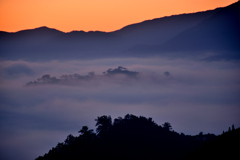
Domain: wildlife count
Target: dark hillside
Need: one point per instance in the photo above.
(130, 137)
(160, 30)
(225, 146)
(217, 34)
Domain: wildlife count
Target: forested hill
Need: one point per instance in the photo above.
(130, 137)
(225, 146)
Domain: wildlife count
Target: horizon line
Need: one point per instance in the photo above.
(167, 16)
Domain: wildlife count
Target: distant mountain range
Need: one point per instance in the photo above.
(209, 35)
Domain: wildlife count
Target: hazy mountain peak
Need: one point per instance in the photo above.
(214, 30)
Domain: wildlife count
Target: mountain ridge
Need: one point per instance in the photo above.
(124, 27)
(144, 21)
(221, 28)
(148, 38)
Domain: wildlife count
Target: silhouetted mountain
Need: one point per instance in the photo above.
(160, 30)
(127, 138)
(175, 36)
(219, 33)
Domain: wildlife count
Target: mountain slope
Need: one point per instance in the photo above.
(225, 146)
(221, 31)
(218, 33)
(161, 29)
(214, 30)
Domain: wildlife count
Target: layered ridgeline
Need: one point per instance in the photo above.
(209, 35)
(130, 137)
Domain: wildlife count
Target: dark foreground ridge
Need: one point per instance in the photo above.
(135, 137)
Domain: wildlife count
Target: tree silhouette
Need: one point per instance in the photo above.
(224, 146)
(167, 126)
(104, 124)
(131, 137)
(233, 127)
(86, 134)
(118, 121)
(70, 139)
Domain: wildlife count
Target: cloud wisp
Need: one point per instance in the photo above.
(116, 75)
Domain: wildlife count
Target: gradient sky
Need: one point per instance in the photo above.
(103, 15)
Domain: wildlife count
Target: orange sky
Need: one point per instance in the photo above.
(103, 15)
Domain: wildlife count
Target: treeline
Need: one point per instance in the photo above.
(91, 76)
(131, 137)
(225, 146)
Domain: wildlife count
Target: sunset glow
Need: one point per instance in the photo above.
(104, 15)
(175, 64)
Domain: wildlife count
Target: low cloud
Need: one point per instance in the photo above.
(16, 70)
(111, 75)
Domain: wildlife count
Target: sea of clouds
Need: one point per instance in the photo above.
(192, 95)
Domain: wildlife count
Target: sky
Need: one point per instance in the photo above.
(101, 15)
(192, 94)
